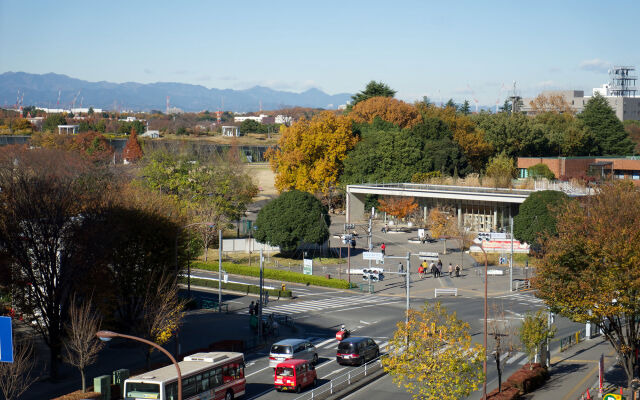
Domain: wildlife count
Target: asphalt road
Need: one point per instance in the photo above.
(318, 314)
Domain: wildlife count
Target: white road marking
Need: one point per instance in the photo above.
(334, 372)
(255, 372)
(325, 342)
(364, 322)
(515, 357)
(383, 345)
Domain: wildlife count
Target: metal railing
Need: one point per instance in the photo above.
(448, 188)
(571, 340)
(343, 381)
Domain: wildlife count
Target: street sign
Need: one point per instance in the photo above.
(307, 267)
(611, 396)
(428, 256)
(372, 255)
(349, 226)
(6, 340)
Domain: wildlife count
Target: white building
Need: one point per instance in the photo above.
(283, 119)
(262, 119)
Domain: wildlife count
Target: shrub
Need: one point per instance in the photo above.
(541, 171)
(80, 395)
(286, 276)
(508, 393)
(527, 380)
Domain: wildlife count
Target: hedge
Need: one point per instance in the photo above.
(79, 395)
(522, 381)
(275, 274)
(238, 287)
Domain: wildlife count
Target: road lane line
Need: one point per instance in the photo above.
(515, 357)
(325, 342)
(255, 372)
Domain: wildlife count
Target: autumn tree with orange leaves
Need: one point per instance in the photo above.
(397, 206)
(590, 272)
(388, 109)
(132, 151)
(310, 153)
(552, 103)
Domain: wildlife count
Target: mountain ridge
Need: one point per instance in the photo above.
(42, 90)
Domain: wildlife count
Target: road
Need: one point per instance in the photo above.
(319, 312)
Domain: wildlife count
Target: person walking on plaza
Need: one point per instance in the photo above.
(421, 271)
(439, 266)
(450, 270)
(457, 271)
(383, 248)
(432, 268)
(266, 296)
(251, 308)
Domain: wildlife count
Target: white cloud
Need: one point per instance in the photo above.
(595, 65)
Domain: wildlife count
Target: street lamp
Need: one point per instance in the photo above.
(108, 335)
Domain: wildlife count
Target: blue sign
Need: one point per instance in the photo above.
(6, 340)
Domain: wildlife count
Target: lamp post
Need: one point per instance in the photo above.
(108, 335)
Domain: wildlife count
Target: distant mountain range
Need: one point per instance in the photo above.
(42, 91)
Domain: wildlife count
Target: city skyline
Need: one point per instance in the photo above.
(466, 51)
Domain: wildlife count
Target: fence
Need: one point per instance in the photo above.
(343, 381)
(571, 340)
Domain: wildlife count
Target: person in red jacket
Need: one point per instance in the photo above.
(383, 248)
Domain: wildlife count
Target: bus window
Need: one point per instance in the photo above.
(189, 387)
(284, 371)
(142, 390)
(216, 378)
(171, 391)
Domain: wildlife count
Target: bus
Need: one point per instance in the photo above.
(205, 376)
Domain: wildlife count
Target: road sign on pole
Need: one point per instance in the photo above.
(372, 255)
(308, 266)
(6, 340)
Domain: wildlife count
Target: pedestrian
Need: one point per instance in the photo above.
(457, 271)
(266, 296)
(421, 271)
(386, 228)
(383, 248)
(353, 243)
(256, 308)
(450, 270)
(400, 268)
(432, 268)
(251, 308)
(439, 268)
(424, 268)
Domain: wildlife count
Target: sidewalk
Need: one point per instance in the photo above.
(576, 370)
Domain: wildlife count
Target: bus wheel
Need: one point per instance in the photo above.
(229, 395)
(298, 389)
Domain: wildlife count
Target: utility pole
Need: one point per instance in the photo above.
(511, 259)
(261, 303)
(219, 270)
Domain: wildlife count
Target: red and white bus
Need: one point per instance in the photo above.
(205, 376)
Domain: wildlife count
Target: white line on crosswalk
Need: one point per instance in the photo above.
(383, 345)
(325, 342)
(515, 357)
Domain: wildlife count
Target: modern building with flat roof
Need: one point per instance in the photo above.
(580, 167)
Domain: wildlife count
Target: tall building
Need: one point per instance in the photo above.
(620, 92)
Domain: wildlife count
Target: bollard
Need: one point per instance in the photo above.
(577, 337)
(331, 386)
(349, 378)
(365, 369)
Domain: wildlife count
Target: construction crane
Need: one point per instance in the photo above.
(73, 102)
(58, 103)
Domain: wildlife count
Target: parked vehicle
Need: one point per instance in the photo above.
(287, 349)
(295, 375)
(357, 351)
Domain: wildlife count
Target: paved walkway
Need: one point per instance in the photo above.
(576, 370)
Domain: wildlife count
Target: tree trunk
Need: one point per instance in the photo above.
(84, 381)
(206, 250)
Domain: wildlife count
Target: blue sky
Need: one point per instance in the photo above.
(440, 49)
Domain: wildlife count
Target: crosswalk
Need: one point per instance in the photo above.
(522, 298)
(519, 358)
(332, 344)
(335, 304)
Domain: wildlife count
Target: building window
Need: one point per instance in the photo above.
(635, 175)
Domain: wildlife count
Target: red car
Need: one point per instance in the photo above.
(294, 375)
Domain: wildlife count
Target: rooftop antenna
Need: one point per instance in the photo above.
(515, 100)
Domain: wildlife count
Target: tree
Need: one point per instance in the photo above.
(442, 224)
(553, 103)
(90, 111)
(512, 134)
(292, 218)
(398, 206)
(536, 218)
(506, 107)
(251, 126)
(373, 89)
(160, 314)
(310, 153)
(465, 108)
(610, 136)
(590, 269)
(386, 153)
(132, 151)
(502, 170)
(539, 171)
(450, 104)
(92, 146)
(633, 129)
(15, 377)
(534, 331)
(502, 333)
(82, 345)
(52, 121)
(388, 109)
(433, 355)
(48, 200)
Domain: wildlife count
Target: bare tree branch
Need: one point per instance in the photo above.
(15, 377)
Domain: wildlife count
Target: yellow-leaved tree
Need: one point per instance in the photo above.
(310, 153)
(399, 207)
(433, 356)
(403, 114)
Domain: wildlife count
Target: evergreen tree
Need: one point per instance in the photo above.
(373, 89)
(610, 138)
(465, 108)
(450, 103)
(506, 107)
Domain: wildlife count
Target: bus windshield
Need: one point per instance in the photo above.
(141, 390)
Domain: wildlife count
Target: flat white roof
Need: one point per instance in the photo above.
(188, 367)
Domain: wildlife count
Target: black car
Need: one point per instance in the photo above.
(356, 351)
